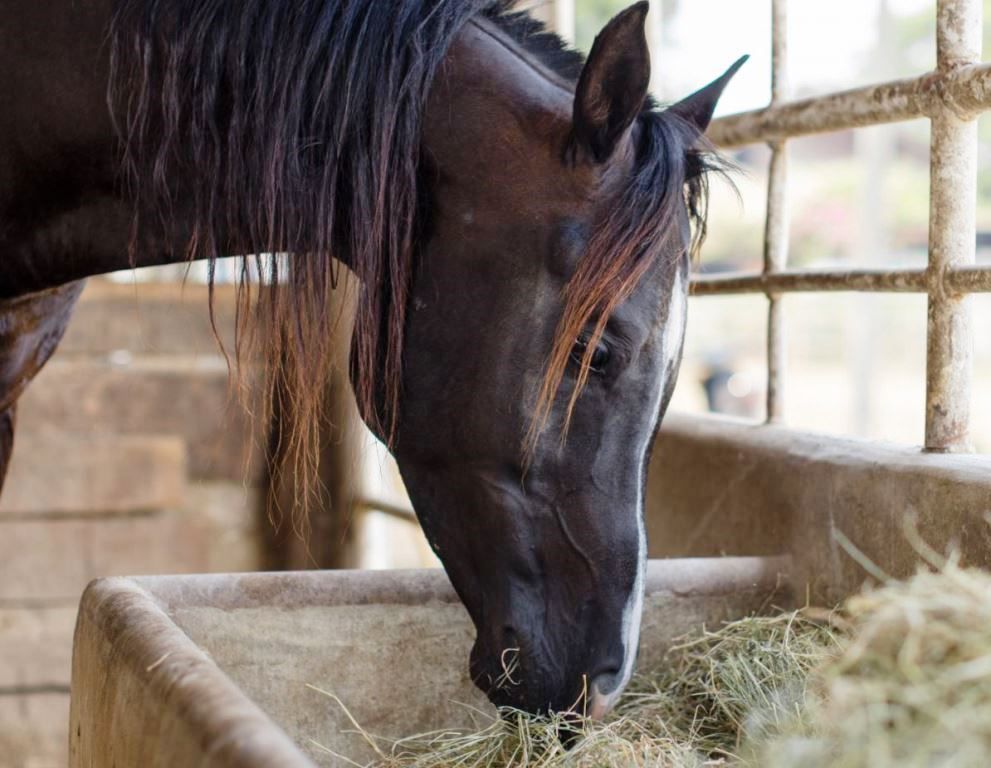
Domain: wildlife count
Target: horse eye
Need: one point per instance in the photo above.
(600, 357)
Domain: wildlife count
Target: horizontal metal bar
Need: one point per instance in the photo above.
(958, 281)
(964, 91)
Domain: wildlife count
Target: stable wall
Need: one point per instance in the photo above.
(719, 486)
(130, 457)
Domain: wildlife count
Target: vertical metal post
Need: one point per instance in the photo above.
(776, 224)
(952, 237)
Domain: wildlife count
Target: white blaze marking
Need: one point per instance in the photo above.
(674, 328)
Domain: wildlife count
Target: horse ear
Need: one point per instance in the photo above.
(613, 84)
(697, 109)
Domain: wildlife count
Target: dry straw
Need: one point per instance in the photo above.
(900, 676)
(749, 675)
(913, 686)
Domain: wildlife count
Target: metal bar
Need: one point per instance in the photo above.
(776, 228)
(967, 279)
(780, 87)
(775, 258)
(955, 282)
(965, 91)
(952, 234)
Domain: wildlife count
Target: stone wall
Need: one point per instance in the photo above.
(132, 456)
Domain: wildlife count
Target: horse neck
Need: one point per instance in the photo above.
(486, 73)
(92, 238)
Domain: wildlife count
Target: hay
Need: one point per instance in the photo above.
(900, 676)
(913, 685)
(747, 676)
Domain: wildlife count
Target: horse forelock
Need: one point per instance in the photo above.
(670, 175)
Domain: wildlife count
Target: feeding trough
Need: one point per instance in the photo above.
(213, 670)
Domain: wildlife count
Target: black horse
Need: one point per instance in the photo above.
(519, 221)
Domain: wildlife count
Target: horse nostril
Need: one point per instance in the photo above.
(603, 692)
(607, 680)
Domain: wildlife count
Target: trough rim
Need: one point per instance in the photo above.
(136, 629)
(682, 576)
(129, 619)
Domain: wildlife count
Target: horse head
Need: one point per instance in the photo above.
(542, 345)
(521, 222)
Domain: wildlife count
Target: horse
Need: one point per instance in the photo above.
(519, 221)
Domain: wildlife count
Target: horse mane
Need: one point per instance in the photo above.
(294, 127)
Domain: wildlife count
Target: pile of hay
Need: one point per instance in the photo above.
(912, 687)
(899, 676)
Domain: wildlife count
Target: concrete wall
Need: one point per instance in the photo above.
(718, 486)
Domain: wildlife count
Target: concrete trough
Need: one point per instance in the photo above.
(213, 670)
(721, 486)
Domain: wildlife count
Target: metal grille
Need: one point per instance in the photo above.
(951, 97)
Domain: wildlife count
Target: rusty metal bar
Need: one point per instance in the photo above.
(965, 91)
(952, 234)
(775, 258)
(967, 279)
(779, 51)
(776, 228)
(955, 282)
